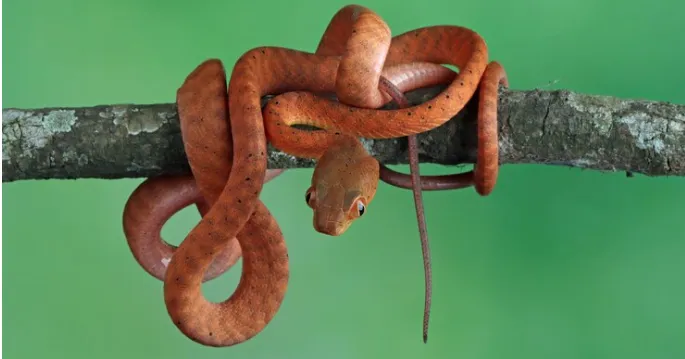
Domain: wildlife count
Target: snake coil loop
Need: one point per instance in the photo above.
(225, 130)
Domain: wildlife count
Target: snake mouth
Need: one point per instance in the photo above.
(330, 228)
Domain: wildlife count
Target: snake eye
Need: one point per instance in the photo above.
(308, 197)
(361, 208)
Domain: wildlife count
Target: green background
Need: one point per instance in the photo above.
(555, 263)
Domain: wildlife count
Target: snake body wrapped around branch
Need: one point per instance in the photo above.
(225, 130)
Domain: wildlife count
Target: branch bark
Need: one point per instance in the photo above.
(543, 127)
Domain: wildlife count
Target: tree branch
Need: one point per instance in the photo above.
(544, 127)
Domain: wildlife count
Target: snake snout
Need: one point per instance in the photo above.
(329, 227)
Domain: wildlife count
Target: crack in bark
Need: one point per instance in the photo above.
(544, 119)
(545, 127)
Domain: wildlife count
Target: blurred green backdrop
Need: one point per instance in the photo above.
(556, 263)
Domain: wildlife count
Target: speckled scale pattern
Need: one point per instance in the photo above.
(453, 45)
(205, 115)
(149, 207)
(157, 199)
(227, 154)
(152, 204)
(237, 212)
(486, 168)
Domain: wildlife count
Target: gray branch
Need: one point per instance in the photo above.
(542, 127)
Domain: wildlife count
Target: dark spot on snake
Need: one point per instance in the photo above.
(430, 107)
(250, 155)
(409, 113)
(247, 178)
(239, 200)
(461, 83)
(337, 133)
(178, 279)
(276, 102)
(262, 51)
(447, 96)
(354, 31)
(210, 334)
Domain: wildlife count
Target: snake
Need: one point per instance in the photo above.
(225, 132)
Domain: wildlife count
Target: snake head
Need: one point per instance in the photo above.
(344, 183)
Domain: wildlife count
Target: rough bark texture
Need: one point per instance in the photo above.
(544, 127)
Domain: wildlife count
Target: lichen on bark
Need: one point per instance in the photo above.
(543, 127)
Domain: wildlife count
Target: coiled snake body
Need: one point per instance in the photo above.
(225, 131)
